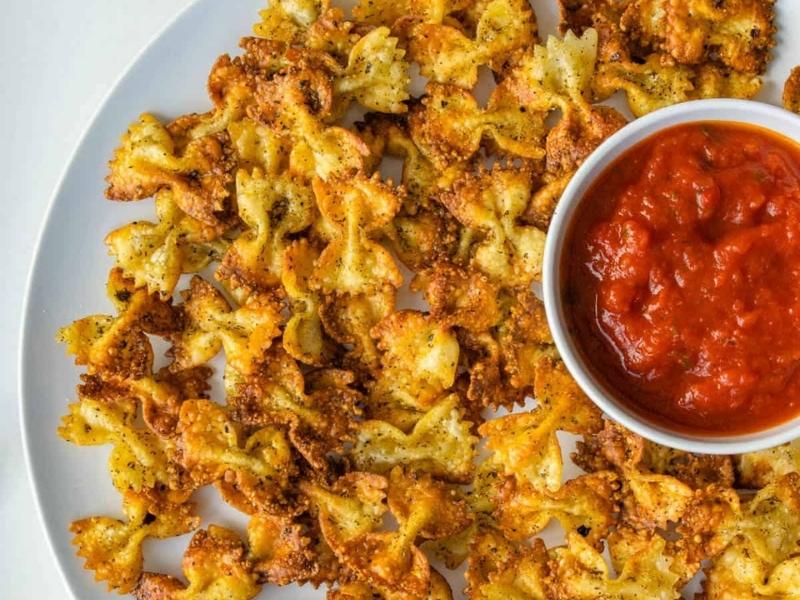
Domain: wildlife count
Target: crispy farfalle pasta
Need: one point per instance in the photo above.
(440, 444)
(356, 209)
(648, 86)
(492, 201)
(287, 20)
(252, 471)
(303, 338)
(211, 325)
(524, 445)
(216, 566)
(448, 125)
(758, 469)
(119, 345)
(349, 429)
(664, 52)
(386, 12)
(418, 365)
(459, 297)
(499, 569)
(376, 74)
(558, 74)
(280, 550)
(761, 561)
(113, 548)
(585, 505)
(446, 55)
(739, 33)
(139, 461)
(581, 573)
(272, 207)
(317, 423)
(350, 318)
(199, 177)
(388, 562)
(154, 255)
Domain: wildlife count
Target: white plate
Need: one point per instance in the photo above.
(70, 267)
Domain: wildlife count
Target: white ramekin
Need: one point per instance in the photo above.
(743, 111)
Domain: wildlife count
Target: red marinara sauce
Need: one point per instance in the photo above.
(682, 280)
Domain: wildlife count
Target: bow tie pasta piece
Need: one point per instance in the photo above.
(439, 444)
(581, 573)
(294, 103)
(651, 501)
(574, 138)
(303, 337)
(655, 83)
(429, 508)
(558, 74)
(791, 91)
(648, 86)
(354, 506)
(216, 567)
(759, 469)
(350, 318)
(231, 88)
(389, 135)
(524, 445)
(280, 550)
(286, 20)
(258, 146)
(505, 356)
(448, 126)
(272, 207)
(376, 76)
(422, 232)
(418, 364)
(493, 201)
(213, 449)
(713, 81)
(357, 208)
(318, 423)
(738, 33)
(499, 569)
(649, 74)
(199, 177)
(350, 514)
(159, 395)
(446, 55)
(118, 345)
(139, 460)
(211, 324)
(614, 447)
(586, 505)
(389, 562)
(374, 73)
(113, 548)
(154, 256)
(604, 17)
(524, 337)
(459, 297)
(760, 562)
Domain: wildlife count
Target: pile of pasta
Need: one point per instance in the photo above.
(349, 428)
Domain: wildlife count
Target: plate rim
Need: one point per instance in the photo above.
(23, 347)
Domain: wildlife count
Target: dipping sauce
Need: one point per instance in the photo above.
(682, 278)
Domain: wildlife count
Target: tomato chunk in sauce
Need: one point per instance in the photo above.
(682, 279)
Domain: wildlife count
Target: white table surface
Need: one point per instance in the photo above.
(58, 60)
